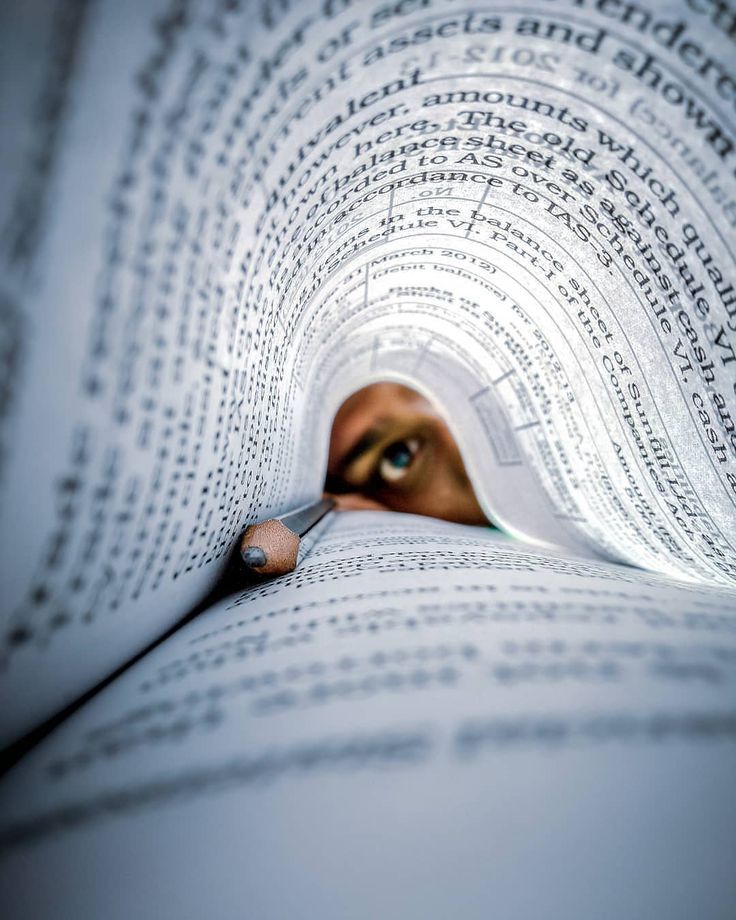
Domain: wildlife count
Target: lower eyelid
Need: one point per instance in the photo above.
(386, 476)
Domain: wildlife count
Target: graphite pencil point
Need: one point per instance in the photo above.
(253, 557)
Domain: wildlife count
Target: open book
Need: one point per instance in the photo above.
(220, 219)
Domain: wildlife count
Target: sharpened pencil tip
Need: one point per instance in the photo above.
(253, 557)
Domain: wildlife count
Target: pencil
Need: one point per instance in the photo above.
(271, 547)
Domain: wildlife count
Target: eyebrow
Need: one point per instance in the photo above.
(334, 482)
(361, 446)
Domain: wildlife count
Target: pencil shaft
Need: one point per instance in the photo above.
(303, 519)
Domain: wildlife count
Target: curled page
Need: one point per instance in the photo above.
(424, 720)
(219, 219)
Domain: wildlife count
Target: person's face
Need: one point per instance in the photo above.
(391, 449)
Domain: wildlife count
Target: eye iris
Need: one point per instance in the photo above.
(399, 455)
(396, 460)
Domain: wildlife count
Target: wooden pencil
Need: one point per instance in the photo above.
(271, 547)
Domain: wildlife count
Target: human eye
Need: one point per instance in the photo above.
(397, 459)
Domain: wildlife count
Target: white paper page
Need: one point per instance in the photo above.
(424, 720)
(538, 232)
(147, 409)
(218, 219)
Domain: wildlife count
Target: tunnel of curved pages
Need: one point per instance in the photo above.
(219, 219)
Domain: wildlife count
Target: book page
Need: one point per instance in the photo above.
(535, 228)
(424, 720)
(219, 219)
(146, 405)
